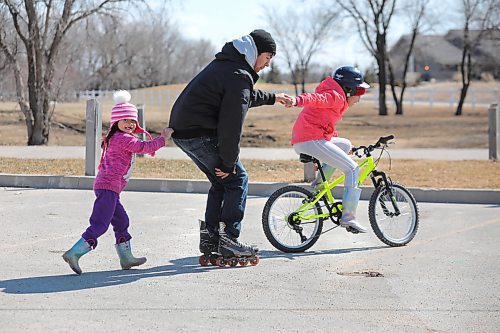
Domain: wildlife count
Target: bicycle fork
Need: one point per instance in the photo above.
(376, 182)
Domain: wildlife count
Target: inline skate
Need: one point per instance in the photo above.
(233, 252)
(209, 245)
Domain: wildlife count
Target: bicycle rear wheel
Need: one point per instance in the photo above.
(391, 228)
(283, 228)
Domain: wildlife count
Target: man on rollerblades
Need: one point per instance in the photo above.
(207, 119)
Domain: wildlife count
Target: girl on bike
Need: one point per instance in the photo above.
(314, 133)
(115, 168)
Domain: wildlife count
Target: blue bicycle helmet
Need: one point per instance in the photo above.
(350, 79)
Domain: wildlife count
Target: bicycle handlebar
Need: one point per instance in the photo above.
(383, 140)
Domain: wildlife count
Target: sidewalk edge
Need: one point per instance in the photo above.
(436, 195)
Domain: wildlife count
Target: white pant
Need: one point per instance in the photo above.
(334, 153)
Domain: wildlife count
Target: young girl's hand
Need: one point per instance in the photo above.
(284, 99)
(167, 133)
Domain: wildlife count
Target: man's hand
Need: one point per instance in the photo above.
(285, 99)
(220, 173)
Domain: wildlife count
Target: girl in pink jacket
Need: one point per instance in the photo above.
(115, 168)
(314, 133)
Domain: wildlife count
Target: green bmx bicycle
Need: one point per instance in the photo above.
(293, 216)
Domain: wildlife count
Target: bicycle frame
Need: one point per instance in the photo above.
(294, 217)
(367, 168)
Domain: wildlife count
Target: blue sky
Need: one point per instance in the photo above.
(224, 20)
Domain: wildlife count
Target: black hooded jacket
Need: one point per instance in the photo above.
(216, 101)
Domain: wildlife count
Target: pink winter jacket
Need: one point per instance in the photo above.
(322, 110)
(114, 170)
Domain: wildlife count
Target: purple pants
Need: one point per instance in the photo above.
(107, 210)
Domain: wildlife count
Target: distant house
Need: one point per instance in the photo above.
(439, 57)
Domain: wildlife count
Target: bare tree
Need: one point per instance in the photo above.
(40, 27)
(109, 47)
(372, 19)
(482, 15)
(142, 52)
(300, 36)
(188, 59)
(416, 11)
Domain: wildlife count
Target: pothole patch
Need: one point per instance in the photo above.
(362, 273)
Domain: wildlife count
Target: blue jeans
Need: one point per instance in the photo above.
(227, 197)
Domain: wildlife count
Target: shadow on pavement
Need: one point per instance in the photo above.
(90, 280)
(278, 254)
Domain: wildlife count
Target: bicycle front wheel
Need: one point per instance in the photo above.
(392, 228)
(283, 226)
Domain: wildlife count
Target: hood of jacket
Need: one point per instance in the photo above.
(230, 53)
(329, 84)
(246, 46)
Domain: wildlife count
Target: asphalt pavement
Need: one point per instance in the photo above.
(446, 280)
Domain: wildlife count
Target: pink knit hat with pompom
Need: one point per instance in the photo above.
(124, 110)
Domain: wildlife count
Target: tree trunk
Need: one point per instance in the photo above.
(392, 82)
(382, 75)
(25, 108)
(463, 94)
(399, 105)
(399, 108)
(39, 136)
(303, 79)
(466, 69)
(382, 107)
(296, 86)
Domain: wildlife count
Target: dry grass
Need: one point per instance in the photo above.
(270, 126)
(421, 126)
(425, 173)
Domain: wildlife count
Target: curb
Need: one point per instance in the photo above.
(264, 189)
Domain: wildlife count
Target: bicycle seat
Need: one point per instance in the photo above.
(304, 158)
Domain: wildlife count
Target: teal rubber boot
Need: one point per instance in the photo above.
(73, 255)
(127, 260)
(349, 205)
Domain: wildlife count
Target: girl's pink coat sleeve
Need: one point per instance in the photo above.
(327, 99)
(134, 145)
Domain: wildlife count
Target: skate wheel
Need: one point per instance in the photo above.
(233, 262)
(254, 261)
(243, 262)
(203, 260)
(213, 261)
(220, 262)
